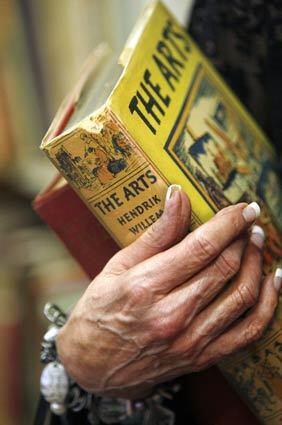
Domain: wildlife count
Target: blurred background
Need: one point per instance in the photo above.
(43, 44)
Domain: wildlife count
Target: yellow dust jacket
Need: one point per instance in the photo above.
(160, 114)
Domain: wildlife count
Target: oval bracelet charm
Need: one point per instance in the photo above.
(54, 386)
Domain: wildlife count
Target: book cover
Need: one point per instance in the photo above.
(162, 116)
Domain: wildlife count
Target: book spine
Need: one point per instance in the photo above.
(77, 227)
(108, 171)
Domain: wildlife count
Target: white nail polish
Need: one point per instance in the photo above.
(251, 212)
(171, 189)
(277, 279)
(257, 236)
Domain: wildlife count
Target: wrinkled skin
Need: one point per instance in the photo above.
(169, 304)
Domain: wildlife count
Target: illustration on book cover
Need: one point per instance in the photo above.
(97, 158)
(219, 152)
(257, 371)
(120, 186)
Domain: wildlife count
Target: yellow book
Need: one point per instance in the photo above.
(160, 114)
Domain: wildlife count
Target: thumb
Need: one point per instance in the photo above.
(169, 229)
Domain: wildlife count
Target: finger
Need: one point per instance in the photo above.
(165, 232)
(182, 304)
(250, 328)
(200, 247)
(241, 295)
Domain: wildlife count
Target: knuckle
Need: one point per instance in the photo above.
(115, 266)
(233, 264)
(192, 346)
(154, 237)
(254, 331)
(164, 329)
(236, 220)
(246, 296)
(273, 305)
(162, 233)
(203, 246)
(139, 294)
(196, 299)
(235, 216)
(228, 265)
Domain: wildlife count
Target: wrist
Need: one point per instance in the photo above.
(68, 355)
(65, 396)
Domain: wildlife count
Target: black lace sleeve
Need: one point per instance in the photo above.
(243, 39)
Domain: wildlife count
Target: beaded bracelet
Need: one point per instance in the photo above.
(65, 397)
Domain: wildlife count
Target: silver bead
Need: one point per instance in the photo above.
(57, 408)
(78, 399)
(112, 410)
(54, 314)
(54, 383)
(139, 405)
(51, 334)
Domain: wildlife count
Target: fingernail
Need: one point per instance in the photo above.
(251, 212)
(257, 236)
(171, 190)
(277, 279)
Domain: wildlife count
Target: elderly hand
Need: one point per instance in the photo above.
(169, 303)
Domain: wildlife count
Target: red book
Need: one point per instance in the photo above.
(72, 221)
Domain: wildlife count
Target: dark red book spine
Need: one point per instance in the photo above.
(75, 225)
